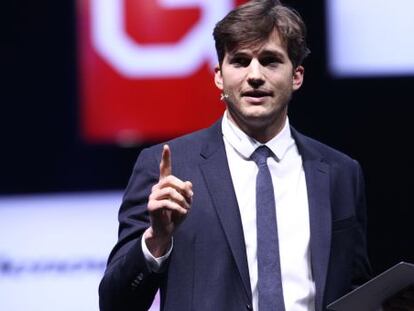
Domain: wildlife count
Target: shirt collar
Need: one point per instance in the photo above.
(246, 145)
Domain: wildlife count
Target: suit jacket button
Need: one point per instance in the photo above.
(249, 307)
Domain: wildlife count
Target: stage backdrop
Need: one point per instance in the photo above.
(146, 68)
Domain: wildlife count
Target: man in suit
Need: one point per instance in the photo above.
(194, 221)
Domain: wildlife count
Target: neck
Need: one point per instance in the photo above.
(260, 131)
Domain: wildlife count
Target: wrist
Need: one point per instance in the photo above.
(157, 244)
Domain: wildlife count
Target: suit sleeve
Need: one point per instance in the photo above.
(361, 265)
(128, 282)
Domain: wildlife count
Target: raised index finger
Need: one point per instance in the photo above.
(165, 164)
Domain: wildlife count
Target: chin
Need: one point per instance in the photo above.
(257, 119)
(258, 112)
(264, 116)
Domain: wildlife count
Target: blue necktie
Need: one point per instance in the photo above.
(268, 260)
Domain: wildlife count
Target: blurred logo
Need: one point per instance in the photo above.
(135, 60)
(146, 68)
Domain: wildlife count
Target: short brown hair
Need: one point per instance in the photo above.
(253, 22)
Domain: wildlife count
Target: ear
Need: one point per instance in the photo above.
(297, 80)
(218, 77)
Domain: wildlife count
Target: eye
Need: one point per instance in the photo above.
(270, 61)
(240, 61)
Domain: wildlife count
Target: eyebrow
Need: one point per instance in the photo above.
(242, 53)
(275, 53)
(238, 54)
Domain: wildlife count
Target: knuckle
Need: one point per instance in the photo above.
(155, 187)
(150, 205)
(151, 196)
(160, 184)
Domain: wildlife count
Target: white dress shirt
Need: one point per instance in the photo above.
(292, 210)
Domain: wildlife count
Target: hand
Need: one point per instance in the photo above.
(168, 205)
(402, 301)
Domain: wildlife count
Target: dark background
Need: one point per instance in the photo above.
(42, 150)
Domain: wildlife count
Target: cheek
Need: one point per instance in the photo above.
(233, 79)
(283, 84)
(235, 86)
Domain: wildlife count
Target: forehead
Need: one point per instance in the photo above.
(273, 43)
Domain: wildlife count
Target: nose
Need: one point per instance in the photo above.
(255, 75)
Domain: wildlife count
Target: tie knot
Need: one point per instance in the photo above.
(261, 154)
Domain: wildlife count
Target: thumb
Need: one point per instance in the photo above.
(165, 164)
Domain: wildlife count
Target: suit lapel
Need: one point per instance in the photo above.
(317, 183)
(217, 176)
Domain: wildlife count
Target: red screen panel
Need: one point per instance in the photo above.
(146, 68)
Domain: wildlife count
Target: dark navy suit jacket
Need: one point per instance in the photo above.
(207, 269)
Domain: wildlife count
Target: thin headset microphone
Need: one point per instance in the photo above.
(224, 96)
